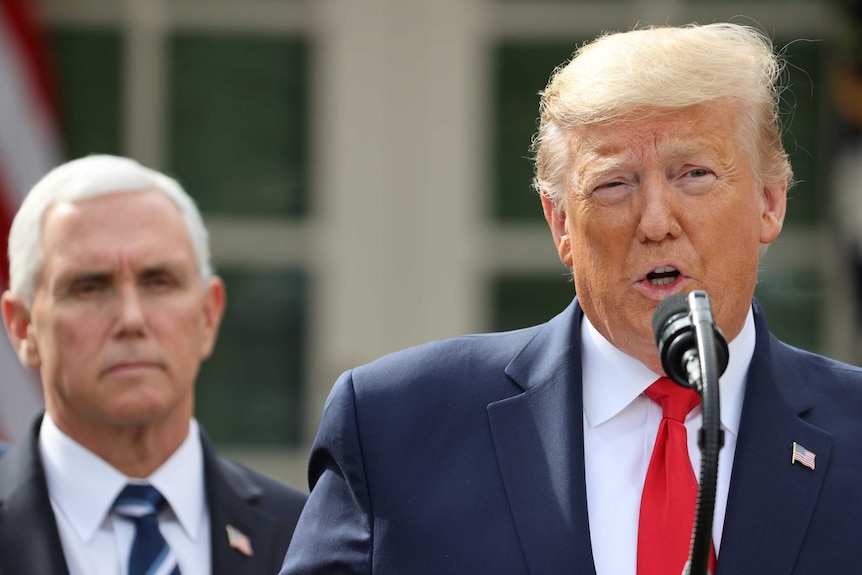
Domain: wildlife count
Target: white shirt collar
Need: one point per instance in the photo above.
(83, 486)
(181, 480)
(612, 379)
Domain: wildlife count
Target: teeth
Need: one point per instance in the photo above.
(662, 276)
(661, 281)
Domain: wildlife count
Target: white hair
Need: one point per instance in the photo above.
(79, 180)
(663, 68)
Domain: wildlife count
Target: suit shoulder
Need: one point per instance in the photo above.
(834, 386)
(809, 361)
(474, 352)
(461, 373)
(262, 488)
(232, 481)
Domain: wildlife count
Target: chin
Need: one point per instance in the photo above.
(140, 408)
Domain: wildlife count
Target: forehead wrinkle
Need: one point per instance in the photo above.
(99, 258)
(608, 159)
(679, 149)
(600, 149)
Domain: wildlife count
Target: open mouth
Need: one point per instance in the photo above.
(662, 276)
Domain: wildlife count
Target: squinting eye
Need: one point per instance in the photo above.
(87, 287)
(161, 280)
(698, 172)
(611, 192)
(610, 185)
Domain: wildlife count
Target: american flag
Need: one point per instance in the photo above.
(239, 541)
(803, 456)
(29, 147)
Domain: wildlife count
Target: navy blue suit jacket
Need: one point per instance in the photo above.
(466, 456)
(265, 510)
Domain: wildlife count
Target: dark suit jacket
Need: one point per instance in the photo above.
(466, 456)
(265, 510)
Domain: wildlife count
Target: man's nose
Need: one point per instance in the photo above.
(130, 309)
(659, 209)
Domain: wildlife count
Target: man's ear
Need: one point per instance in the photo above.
(213, 311)
(774, 208)
(555, 215)
(16, 317)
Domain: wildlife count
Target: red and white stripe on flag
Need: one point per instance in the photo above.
(803, 456)
(29, 147)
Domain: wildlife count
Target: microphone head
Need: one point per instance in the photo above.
(667, 309)
(674, 335)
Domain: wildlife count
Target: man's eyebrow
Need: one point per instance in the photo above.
(84, 275)
(688, 148)
(174, 269)
(69, 279)
(604, 165)
(597, 165)
(173, 266)
(156, 269)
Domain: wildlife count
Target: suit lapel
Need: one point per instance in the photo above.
(771, 499)
(538, 439)
(540, 452)
(231, 497)
(28, 529)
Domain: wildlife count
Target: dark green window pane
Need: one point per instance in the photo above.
(789, 3)
(87, 69)
(806, 134)
(237, 122)
(521, 71)
(524, 300)
(249, 391)
(794, 303)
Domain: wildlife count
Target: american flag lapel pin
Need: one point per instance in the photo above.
(802, 456)
(239, 541)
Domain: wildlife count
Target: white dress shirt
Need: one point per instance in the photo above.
(83, 487)
(620, 427)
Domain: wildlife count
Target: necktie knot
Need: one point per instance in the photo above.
(675, 400)
(150, 553)
(136, 501)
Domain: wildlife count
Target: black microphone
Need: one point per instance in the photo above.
(694, 354)
(674, 324)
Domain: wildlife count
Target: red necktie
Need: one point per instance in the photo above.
(670, 490)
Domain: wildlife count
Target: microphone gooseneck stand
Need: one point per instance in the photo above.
(710, 441)
(694, 354)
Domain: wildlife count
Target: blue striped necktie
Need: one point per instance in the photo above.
(150, 553)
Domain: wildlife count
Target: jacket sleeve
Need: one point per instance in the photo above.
(334, 533)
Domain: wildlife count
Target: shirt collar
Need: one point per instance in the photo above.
(612, 379)
(181, 480)
(83, 487)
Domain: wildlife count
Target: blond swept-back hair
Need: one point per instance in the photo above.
(78, 180)
(663, 68)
